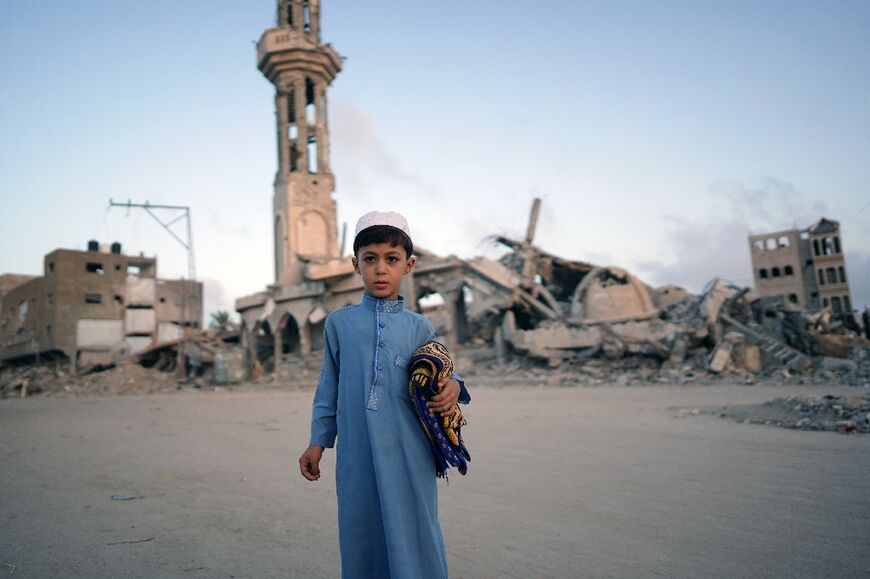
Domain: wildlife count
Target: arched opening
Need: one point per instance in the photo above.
(789, 270)
(841, 270)
(464, 299)
(315, 336)
(836, 305)
(831, 274)
(793, 298)
(771, 243)
(827, 246)
(775, 272)
(784, 241)
(290, 343)
(264, 343)
(762, 273)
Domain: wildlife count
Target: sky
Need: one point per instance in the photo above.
(658, 134)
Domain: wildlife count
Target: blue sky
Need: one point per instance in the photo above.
(658, 134)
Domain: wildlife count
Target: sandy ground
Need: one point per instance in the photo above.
(565, 482)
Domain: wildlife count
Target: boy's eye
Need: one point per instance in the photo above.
(392, 259)
(369, 258)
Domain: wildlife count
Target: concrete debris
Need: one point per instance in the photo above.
(828, 413)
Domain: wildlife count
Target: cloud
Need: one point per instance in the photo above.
(716, 245)
(216, 298)
(365, 159)
(219, 224)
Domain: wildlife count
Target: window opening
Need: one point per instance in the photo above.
(133, 269)
(836, 306)
(22, 311)
(291, 21)
(758, 244)
(783, 241)
(789, 270)
(816, 247)
(821, 277)
(771, 243)
(827, 246)
(310, 110)
(93, 298)
(291, 106)
(842, 273)
(832, 275)
(837, 245)
(51, 267)
(763, 273)
(312, 155)
(825, 302)
(292, 132)
(92, 267)
(306, 17)
(775, 272)
(793, 298)
(847, 306)
(294, 158)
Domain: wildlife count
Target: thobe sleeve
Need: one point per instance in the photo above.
(323, 426)
(464, 396)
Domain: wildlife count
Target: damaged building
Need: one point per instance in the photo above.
(93, 308)
(529, 304)
(805, 267)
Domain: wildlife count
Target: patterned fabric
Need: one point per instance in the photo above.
(430, 364)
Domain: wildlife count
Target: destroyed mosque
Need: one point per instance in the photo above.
(528, 303)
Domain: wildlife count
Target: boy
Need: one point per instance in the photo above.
(385, 473)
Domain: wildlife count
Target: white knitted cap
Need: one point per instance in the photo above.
(390, 218)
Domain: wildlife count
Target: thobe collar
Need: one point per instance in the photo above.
(382, 305)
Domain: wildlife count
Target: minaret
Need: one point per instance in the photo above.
(301, 68)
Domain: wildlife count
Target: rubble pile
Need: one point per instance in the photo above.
(826, 413)
(128, 378)
(592, 324)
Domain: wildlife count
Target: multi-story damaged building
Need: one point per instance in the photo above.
(805, 267)
(93, 307)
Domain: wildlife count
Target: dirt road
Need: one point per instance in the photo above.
(565, 482)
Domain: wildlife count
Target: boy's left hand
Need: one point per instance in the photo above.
(447, 398)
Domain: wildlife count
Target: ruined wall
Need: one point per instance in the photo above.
(778, 266)
(93, 306)
(830, 267)
(173, 295)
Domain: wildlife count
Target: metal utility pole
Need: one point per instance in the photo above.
(191, 265)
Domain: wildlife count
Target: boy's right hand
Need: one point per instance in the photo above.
(309, 462)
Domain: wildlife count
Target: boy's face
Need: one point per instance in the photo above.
(382, 266)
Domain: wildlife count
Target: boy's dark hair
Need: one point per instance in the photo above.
(383, 234)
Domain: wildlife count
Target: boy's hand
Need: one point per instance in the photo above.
(447, 398)
(309, 462)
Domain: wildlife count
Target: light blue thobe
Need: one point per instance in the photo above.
(385, 473)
